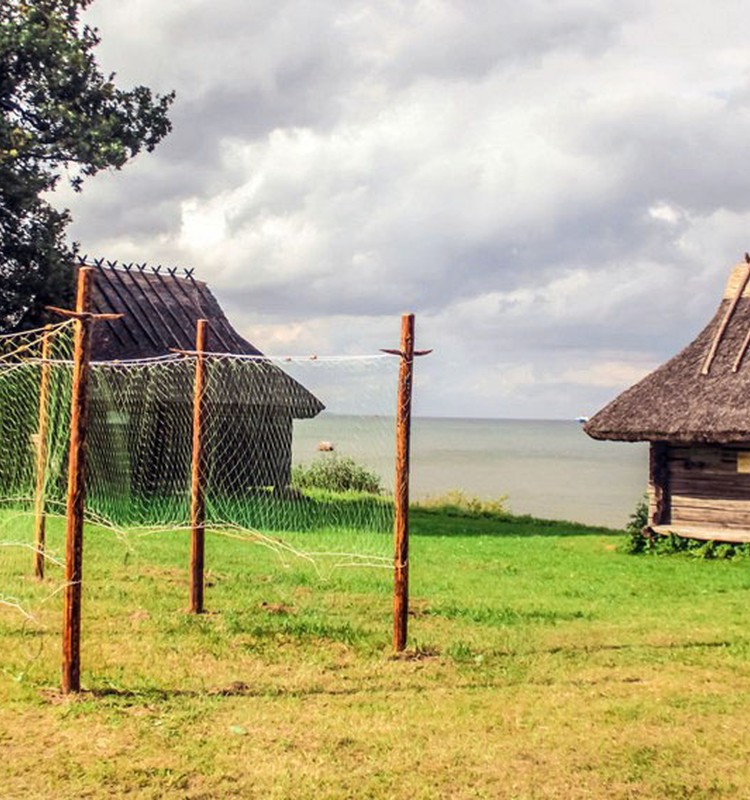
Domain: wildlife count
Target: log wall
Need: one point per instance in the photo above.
(705, 486)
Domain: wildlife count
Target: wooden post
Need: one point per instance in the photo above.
(198, 475)
(71, 664)
(401, 488)
(41, 457)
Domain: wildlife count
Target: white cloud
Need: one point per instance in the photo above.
(201, 226)
(608, 374)
(664, 212)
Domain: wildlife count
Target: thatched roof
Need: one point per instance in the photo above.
(161, 309)
(161, 313)
(700, 395)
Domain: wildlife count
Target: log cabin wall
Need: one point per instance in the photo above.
(706, 484)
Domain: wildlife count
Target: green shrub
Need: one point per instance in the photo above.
(637, 542)
(672, 544)
(336, 474)
(698, 548)
(457, 502)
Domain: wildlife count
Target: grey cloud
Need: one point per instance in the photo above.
(681, 150)
(446, 158)
(468, 40)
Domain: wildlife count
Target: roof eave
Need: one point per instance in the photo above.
(676, 437)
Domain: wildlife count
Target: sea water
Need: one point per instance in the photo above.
(549, 469)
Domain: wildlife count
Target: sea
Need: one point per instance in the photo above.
(547, 468)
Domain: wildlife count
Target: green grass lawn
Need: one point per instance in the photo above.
(543, 662)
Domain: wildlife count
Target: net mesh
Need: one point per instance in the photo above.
(298, 453)
(263, 424)
(35, 381)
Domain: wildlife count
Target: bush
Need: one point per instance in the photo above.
(336, 474)
(637, 542)
(698, 548)
(672, 544)
(456, 502)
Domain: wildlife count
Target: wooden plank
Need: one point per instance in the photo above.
(745, 275)
(726, 513)
(114, 277)
(705, 533)
(702, 457)
(712, 490)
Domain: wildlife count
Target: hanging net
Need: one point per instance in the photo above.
(287, 463)
(35, 380)
(297, 453)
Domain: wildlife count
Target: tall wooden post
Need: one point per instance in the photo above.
(41, 456)
(401, 489)
(198, 475)
(71, 664)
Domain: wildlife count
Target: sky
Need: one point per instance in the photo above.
(557, 189)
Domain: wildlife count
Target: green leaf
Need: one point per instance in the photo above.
(59, 115)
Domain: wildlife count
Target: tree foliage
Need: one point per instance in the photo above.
(59, 114)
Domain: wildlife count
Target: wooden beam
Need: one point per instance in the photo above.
(705, 532)
(725, 322)
(198, 474)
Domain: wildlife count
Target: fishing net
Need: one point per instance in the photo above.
(297, 454)
(35, 381)
(287, 463)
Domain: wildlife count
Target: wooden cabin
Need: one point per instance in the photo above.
(251, 411)
(695, 412)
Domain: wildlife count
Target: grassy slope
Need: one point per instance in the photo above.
(543, 663)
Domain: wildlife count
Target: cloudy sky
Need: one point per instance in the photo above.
(557, 188)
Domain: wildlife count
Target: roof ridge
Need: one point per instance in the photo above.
(127, 266)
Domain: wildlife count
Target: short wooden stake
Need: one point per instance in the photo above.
(401, 488)
(71, 664)
(41, 457)
(198, 475)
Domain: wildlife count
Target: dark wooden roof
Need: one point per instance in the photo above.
(161, 311)
(160, 314)
(701, 395)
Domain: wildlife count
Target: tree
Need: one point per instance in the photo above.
(58, 113)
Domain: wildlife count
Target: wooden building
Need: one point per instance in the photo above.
(251, 405)
(695, 412)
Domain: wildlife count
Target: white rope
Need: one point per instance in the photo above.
(180, 357)
(54, 328)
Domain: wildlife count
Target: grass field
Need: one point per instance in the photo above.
(543, 662)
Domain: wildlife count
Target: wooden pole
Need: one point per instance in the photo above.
(71, 664)
(41, 457)
(401, 489)
(198, 475)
